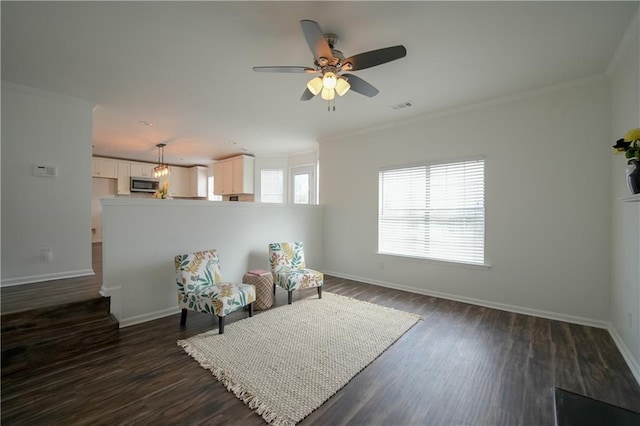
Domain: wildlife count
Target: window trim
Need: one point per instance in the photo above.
(446, 262)
(312, 168)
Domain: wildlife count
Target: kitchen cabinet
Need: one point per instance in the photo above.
(179, 182)
(142, 170)
(234, 176)
(217, 178)
(198, 181)
(188, 182)
(243, 166)
(227, 177)
(124, 178)
(105, 168)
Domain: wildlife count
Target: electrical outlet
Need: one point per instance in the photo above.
(380, 265)
(46, 254)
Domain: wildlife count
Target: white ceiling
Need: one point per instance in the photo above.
(186, 67)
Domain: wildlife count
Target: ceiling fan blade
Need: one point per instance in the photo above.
(315, 39)
(358, 85)
(373, 58)
(306, 95)
(286, 68)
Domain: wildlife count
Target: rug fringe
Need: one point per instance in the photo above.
(251, 400)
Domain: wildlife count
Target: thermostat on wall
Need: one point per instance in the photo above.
(45, 171)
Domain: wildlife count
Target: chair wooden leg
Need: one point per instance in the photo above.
(220, 325)
(183, 318)
(250, 309)
(320, 292)
(274, 289)
(290, 296)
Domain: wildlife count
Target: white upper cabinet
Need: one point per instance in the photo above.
(142, 170)
(184, 182)
(179, 182)
(217, 178)
(234, 176)
(188, 182)
(124, 178)
(198, 181)
(105, 168)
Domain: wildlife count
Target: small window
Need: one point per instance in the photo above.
(272, 186)
(433, 211)
(303, 185)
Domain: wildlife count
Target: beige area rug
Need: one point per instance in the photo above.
(286, 362)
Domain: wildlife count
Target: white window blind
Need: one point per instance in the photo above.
(272, 186)
(433, 211)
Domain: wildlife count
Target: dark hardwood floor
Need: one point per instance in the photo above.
(37, 295)
(462, 365)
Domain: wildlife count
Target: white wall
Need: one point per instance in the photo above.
(547, 202)
(54, 130)
(625, 254)
(141, 238)
(303, 158)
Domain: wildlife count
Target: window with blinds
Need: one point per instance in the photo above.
(272, 186)
(433, 211)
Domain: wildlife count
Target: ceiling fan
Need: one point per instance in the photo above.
(330, 63)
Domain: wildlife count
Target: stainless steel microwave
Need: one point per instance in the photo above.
(141, 184)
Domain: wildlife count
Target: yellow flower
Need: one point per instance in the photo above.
(632, 135)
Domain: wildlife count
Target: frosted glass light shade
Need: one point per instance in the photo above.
(342, 86)
(315, 85)
(328, 94)
(329, 80)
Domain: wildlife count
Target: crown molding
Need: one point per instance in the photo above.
(587, 81)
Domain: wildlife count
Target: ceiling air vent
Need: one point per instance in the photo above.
(402, 105)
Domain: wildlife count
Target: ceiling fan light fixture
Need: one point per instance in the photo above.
(315, 85)
(329, 80)
(328, 94)
(342, 86)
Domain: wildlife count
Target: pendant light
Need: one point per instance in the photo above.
(161, 169)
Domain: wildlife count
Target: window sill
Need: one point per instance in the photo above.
(438, 261)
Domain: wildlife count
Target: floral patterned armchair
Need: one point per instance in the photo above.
(286, 261)
(201, 289)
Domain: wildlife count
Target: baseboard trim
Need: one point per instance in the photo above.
(46, 277)
(127, 322)
(480, 302)
(633, 364)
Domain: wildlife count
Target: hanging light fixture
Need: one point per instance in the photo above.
(328, 85)
(161, 169)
